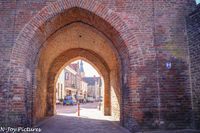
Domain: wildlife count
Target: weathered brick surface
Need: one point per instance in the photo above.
(194, 43)
(146, 34)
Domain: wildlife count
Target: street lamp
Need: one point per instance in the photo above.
(78, 104)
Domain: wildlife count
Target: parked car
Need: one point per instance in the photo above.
(58, 102)
(69, 100)
(90, 99)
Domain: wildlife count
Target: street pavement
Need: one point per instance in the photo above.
(91, 120)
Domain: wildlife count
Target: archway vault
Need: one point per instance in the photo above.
(76, 40)
(117, 44)
(73, 54)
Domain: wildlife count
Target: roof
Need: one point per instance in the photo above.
(69, 69)
(91, 80)
(74, 66)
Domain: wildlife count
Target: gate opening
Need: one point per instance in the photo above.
(66, 46)
(79, 90)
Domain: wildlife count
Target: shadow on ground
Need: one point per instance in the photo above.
(68, 124)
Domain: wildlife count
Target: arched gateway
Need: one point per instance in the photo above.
(59, 33)
(141, 52)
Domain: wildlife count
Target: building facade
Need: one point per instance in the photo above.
(140, 46)
(60, 87)
(70, 82)
(94, 87)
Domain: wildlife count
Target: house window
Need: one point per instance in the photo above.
(66, 75)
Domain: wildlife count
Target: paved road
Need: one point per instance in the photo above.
(90, 121)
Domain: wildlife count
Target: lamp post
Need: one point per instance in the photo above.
(78, 109)
(78, 104)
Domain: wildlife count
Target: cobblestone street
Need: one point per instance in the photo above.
(90, 121)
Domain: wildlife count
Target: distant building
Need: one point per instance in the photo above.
(70, 82)
(94, 87)
(60, 86)
(83, 91)
(81, 70)
(84, 85)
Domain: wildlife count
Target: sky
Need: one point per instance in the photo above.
(198, 1)
(89, 70)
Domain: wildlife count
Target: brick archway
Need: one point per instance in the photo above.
(76, 40)
(49, 20)
(64, 59)
(27, 49)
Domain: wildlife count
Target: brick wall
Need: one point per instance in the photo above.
(194, 47)
(146, 33)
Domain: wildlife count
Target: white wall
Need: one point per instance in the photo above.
(60, 91)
